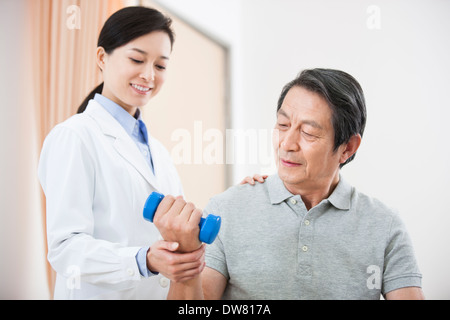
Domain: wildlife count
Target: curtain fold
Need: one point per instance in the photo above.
(64, 70)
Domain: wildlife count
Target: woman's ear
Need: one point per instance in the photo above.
(101, 56)
(350, 148)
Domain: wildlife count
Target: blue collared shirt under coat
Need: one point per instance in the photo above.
(137, 130)
(134, 126)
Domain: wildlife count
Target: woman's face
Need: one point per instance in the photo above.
(135, 72)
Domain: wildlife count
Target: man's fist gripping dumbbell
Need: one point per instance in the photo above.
(178, 221)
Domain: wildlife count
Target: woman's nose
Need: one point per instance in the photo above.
(148, 75)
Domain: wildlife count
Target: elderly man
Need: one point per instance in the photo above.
(305, 233)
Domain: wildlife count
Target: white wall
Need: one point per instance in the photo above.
(22, 257)
(404, 69)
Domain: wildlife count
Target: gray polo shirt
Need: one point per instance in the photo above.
(349, 246)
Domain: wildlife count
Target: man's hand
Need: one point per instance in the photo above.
(178, 221)
(178, 267)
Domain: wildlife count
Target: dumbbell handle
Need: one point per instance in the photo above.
(209, 226)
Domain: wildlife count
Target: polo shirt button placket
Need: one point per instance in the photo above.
(305, 245)
(306, 235)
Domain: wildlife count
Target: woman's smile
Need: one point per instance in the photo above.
(140, 89)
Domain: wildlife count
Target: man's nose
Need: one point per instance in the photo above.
(291, 141)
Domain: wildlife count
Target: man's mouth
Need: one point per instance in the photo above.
(289, 164)
(141, 89)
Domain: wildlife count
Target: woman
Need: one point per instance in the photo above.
(98, 167)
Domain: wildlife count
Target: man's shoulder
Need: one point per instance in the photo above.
(241, 195)
(372, 206)
(242, 192)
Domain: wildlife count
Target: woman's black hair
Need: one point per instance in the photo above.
(124, 26)
(345, 97)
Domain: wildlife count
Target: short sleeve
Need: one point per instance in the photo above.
(400, 269)
(215, 253)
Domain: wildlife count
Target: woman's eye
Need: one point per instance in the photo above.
(136, 61)
(161, 67)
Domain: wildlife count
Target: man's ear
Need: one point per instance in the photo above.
(101, 56)
(350, 148)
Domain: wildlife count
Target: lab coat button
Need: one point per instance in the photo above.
(130, 272)
(164, 282)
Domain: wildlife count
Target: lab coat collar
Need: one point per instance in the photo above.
(123, 143)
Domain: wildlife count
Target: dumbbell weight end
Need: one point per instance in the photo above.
(209, 226)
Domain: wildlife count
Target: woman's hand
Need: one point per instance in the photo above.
(178, 267)
(257, 177)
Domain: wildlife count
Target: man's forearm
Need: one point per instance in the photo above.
(188, 290)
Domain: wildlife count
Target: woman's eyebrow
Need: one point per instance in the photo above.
(139, 50)
(145, 53)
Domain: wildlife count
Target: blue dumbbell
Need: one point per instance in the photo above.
(209, 226)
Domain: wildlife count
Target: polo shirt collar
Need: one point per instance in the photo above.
(342, 194)
(277, 191)
(339, 198)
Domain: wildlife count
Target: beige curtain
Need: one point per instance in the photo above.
(64, 70)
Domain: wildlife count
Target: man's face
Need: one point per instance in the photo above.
(304, 148)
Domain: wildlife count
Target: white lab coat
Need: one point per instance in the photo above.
(96, 182)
